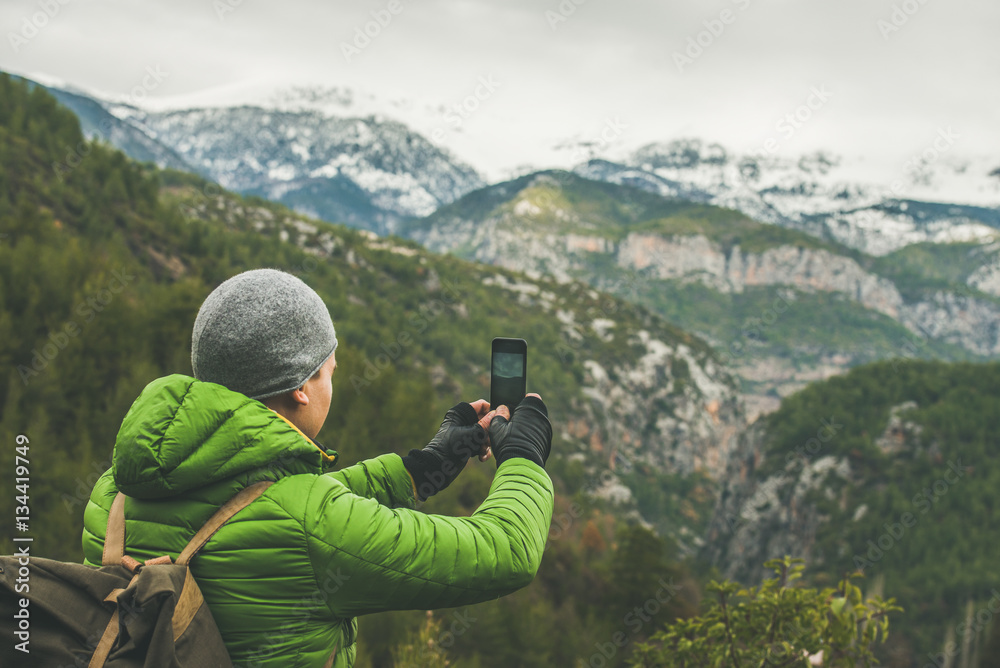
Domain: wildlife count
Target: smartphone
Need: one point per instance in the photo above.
(508, 372)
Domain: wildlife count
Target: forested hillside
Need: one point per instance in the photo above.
(891, 470)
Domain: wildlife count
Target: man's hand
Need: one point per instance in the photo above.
(528, 434)
(485, 418)
(463, 432)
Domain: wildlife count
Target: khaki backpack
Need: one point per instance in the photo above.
(125, 614)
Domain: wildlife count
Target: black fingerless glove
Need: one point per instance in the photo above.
(438, 464)
(527, 434)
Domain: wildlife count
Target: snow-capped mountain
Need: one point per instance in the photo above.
(822, 194)
(368, 170)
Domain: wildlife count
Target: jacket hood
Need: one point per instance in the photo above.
(182, 433)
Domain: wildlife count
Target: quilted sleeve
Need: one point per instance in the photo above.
(401, 559)
(383, 479)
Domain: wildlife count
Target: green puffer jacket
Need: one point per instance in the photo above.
(286, 577)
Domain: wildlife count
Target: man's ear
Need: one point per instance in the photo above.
(299, 396)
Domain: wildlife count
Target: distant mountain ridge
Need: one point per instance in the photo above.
(352, 157)
(370, 172)
(367, 172)
(815, 194)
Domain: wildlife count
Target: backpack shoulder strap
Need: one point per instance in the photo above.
(234, 505)
(114, 538)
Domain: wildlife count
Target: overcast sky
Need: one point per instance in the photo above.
(566, 70)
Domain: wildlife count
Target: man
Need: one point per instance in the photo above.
(286, 578)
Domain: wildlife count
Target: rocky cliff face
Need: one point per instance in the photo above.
(698, 258)
(956, 318)
(665, 406)
(672, 412)
(671, 408)
(504, 241)
(759, 517)
(959, 318)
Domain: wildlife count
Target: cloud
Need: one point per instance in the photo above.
(566, 77)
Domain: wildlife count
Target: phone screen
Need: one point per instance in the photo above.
(508, 372)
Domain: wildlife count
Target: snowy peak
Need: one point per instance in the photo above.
(325, 152)
(824, 194)
(368, 172)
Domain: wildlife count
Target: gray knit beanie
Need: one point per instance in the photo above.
(262, 333)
